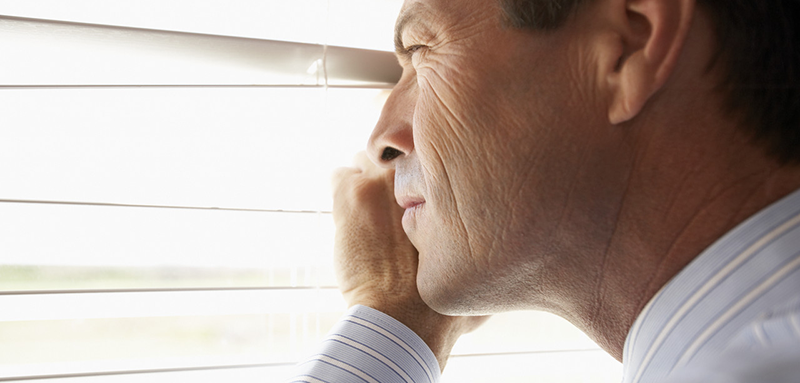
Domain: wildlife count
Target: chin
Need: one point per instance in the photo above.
(448, 297)
(451, 283)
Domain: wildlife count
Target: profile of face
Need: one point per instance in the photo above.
(505, 161)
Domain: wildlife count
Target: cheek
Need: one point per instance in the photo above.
(462, 159)
(472, 144)
(440, 137)
(449, 120)
(446, 149)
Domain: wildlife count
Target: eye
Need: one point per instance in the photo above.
(414, 48)
(410, 50)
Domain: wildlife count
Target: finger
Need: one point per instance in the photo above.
(340, 175)
(474, 322)
(361, 161)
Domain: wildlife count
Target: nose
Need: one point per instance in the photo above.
(393, 135)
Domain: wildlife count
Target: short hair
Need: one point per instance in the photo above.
(758, 48)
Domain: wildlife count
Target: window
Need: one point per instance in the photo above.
(164, 193)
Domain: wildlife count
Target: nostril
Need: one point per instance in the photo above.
(390, 153)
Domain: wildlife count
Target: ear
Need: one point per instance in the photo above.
(652, 34)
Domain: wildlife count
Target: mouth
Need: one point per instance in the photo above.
(412, 205)
(408, 202)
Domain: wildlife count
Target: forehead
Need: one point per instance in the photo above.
(443, 14)
(455, 4)
(444, 8)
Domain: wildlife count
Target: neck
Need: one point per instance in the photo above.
(694, 199)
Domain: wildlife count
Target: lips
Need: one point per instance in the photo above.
(407, 191)
(412, 206)
(408, 202)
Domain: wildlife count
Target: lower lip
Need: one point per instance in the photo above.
(411, 215)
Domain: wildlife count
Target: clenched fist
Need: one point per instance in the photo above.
(376, 264)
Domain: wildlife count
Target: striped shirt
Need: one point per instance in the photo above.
(731, 315)
(368, 346)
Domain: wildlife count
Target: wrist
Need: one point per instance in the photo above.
(439, 332)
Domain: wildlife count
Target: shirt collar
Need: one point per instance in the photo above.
(685, 316)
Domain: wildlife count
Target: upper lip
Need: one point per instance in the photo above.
(407, 188)
(409, 201)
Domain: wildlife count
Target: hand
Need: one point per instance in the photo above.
(376, 264)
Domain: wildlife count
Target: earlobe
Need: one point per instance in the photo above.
(652, 38)
(632, 87)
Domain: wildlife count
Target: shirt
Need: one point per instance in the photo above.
(731, 315)
(370, 346)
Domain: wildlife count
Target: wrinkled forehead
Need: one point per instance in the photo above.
(445, 7)
(442, 12)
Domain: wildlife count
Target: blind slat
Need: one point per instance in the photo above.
(353, 23)
(165, 304)
(91, 54)
(149, 373)
(162, 290)
(229, 86)
(73, 203)
(245, 374)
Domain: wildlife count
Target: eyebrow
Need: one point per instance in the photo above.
(407, 16)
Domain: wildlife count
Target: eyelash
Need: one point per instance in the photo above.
(409, 51)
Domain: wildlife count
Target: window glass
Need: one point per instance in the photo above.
(67, 247)
(262, 148)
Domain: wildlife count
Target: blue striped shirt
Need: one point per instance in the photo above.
(370, 346)
(731, 315)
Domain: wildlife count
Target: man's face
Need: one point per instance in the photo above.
(499, 171)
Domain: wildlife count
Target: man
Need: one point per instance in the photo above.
(630, 165)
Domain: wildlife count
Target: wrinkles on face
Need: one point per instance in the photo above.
(449, 96)
(457, 207)
(448, 143)
(500, 152)
(440, 129)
